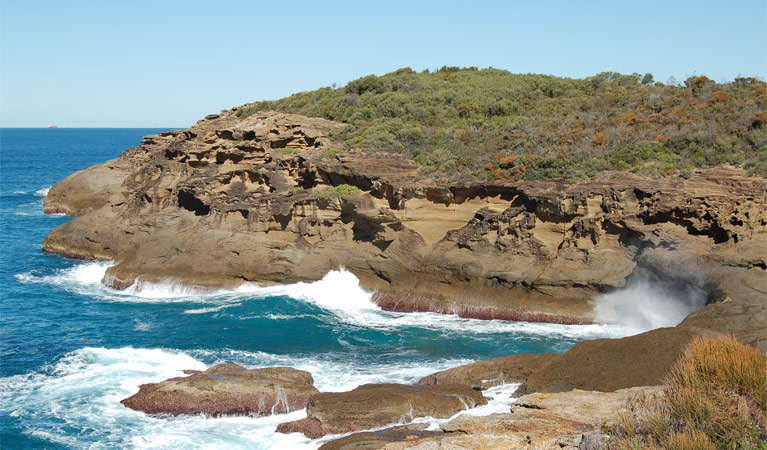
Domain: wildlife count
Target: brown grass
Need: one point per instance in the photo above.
(716, 398)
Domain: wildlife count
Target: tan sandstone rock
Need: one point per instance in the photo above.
(249, 194)
(374, 405)
(538, 421)
(227, 389)
(493, 372)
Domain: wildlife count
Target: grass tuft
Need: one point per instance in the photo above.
(716, 399)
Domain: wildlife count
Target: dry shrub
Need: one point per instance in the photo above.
(758, 121)
(508, 162)
(716, 398)
(722, 363)
(689, 440)
(599, 139)
(697, 82)
(660, 138)
(760, 91)
(658, 118)
(719, 96)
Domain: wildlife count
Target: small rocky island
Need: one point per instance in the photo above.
(270, 198)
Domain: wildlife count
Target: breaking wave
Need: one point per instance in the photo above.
(76, 401)
(338, 292)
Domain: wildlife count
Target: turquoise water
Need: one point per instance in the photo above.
(70, 348)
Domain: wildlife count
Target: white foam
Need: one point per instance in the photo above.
(167, 289)
(338, 292)
(211, 309)
(643, 306)
(75, 402)
(43, 191)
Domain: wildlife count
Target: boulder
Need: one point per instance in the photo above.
(374, 405)
(493, 372)
(227, 389)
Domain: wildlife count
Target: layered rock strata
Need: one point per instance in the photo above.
(257, 196)
(227, 390)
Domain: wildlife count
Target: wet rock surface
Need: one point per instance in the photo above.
(227, 390)
(375, 405)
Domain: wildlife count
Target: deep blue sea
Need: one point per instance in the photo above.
(70, 348)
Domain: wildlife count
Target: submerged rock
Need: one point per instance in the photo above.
(227, 389)
(374, 405)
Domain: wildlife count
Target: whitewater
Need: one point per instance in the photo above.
(72, 348)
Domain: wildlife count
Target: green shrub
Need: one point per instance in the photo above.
(476, 114)
(329, 154)
(336, 191)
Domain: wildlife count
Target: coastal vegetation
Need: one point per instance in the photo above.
(336, 191)
(716, 399)
(467, 124)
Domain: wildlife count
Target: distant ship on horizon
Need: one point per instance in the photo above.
(52, 126)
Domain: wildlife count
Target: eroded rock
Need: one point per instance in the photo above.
(253, 195)
(227, 390)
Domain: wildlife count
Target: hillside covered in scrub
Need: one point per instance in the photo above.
(489, 124)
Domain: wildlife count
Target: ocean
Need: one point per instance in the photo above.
(71, 349)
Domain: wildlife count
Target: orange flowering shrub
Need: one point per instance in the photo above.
(719, 96)
(598, 139)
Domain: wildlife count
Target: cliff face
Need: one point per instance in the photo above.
(230, 200)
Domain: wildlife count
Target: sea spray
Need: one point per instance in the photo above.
(643, 305)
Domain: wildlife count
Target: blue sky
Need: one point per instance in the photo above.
(169, 63)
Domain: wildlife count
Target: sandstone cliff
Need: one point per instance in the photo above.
(253, 196)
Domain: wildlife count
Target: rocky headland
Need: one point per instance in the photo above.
(271, 200)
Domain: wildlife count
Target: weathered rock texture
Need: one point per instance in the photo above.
(612, 364)
(227, 389)
(541, 421)
(376, 405)
(493, 372)
(249, 195)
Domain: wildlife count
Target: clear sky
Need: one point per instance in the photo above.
(168, 63)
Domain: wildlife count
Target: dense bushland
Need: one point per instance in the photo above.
(716, 399)
(469, 124)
